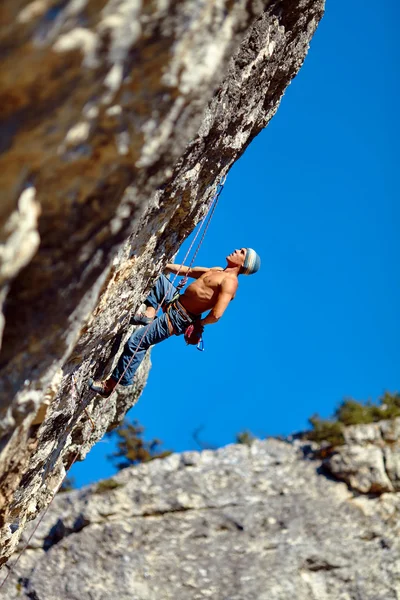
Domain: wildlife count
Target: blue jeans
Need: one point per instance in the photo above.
(144, 337)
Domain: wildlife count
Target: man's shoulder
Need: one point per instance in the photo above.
(232, 276)
(230, 280)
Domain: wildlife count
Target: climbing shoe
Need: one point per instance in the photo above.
(103, 388)
(140, 319)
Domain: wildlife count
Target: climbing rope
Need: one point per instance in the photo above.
(205, 220)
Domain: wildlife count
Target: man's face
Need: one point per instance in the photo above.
(237, 257)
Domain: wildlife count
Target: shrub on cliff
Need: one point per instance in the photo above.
(67, 485)
(132, 449)
(351, 412)
(245, 437)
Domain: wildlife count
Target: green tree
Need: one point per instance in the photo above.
(132, 449)
(325, 430)
(67, 485)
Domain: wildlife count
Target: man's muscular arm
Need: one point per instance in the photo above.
(228, 291)
(194, 272)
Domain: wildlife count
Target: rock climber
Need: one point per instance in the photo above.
(212, 291)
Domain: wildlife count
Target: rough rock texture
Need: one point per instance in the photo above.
(118, 117)
(241, 523)
(370, 460)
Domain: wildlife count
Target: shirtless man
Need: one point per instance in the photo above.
(212, 291)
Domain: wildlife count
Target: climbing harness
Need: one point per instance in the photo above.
(206, 220)
(193, 332)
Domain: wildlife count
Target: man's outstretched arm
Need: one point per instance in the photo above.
(228, 291)
(194, 272)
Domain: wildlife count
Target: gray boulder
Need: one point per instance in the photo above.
(370, 459)
(240, 523)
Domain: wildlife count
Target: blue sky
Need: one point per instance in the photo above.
(315, 195)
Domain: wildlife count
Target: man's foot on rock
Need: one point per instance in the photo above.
(103, 388)
(140, 319)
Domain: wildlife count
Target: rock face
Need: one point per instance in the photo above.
(370, 460)
(118, 118)
(240, 523)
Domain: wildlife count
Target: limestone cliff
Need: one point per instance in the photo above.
(118, 118)
(263, 522)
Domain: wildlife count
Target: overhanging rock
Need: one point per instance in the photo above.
(118, 119)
